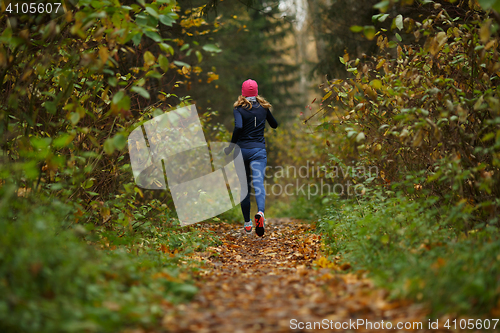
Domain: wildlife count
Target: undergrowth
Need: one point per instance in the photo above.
(415, 249)
(84, 278)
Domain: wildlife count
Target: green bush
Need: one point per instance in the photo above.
(51, 280)
(427, 103)
(410, 247)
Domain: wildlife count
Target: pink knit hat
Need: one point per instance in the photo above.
(249, 88)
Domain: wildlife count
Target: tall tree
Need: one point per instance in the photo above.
(253, 39)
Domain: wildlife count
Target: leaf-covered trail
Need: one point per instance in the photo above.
(253, 284)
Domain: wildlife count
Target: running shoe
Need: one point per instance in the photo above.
(260, 223)
(248, 227)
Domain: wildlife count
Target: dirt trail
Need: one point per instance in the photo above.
(253, 284)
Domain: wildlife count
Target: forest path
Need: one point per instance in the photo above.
(253, 284)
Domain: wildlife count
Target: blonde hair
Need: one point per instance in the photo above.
(242, 101)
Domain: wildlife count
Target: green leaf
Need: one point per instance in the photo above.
(167, 48)
(62, 141)
(40, 143)
(199, 56)
(167, 20)
(118, 97)
(153, 35)
(211, 48)
(112, 81)
(382, 6)
(383, 17)
(399, 37)
(51, 107)
(119, 141)
(486, 4)
(109, 147)
(137, 39)
(163, 61)
(342, 60)
(356, 28)
(141, 91)
(74, 117)
(31, 169)
(398, 21)
(185, 46)
(369, 32)
(154, 74)
(152, 12)
(124, 103)
(88, 183)
(488, 137)
(181, 64)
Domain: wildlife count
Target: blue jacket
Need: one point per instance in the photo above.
(249, 125)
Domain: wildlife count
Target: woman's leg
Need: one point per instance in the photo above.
(245, 203)
(258, 166)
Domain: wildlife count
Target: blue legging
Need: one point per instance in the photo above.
(255, 166)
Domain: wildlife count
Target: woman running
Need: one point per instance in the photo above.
(250, 114)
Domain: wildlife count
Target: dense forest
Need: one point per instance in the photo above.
(383, 178)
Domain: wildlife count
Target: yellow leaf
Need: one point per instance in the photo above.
(328, 94)
(484, 32)
(346, 57)
(490, 44)
(380, 64)
(149, 58)
(103, 54)
(377, 84)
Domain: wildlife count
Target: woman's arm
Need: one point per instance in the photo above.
(270, 119)
(238, 126)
